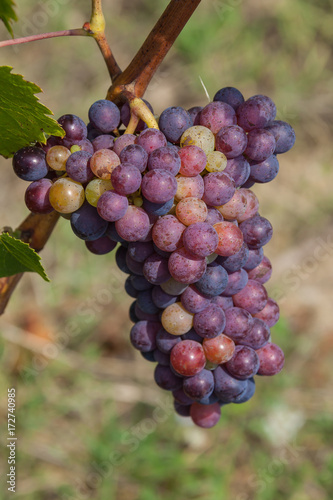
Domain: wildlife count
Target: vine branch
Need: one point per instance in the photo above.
(44, 36)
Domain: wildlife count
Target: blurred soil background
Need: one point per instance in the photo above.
(90, 421)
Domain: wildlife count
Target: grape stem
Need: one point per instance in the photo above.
(44, 36)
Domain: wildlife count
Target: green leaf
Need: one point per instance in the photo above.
(17, 257)
(23, 119)
(7, 14)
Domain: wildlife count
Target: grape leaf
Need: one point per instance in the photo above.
(17, 257)
(7, 14)
(23, 119)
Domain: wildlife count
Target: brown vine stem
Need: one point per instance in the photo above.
(44, 36)
(136, 77)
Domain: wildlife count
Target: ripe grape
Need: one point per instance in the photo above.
(187, 358)
(214, 281)
(165, 341)
(134, 155)
(193, 300)
(270, 313)
(200, 238)
(126, 179)
(155, 269)
(186, 267)
(87, 224)
(231, 140)
(189, 187)
(193, 160)
(216, 115)
(257, 231)
(190, 210)
(244, 362)
(29, 164)
(159, 186)
(134, 225)
(104, 141)
(230, 95)
(230, 238)
(219, 349)
(104, 115)
(238, 169)
(121, 142)
(205, 416)
(271, 359)
(167, 233)
(37, 197)
(210, 322)
(219, 188)
(199, 386)
(256, 112)
(260, 145)
(74, 127)
(78, 167)
(173, 122)
(166, 379)
(262, 272)
(252, 298)
(151, 139)
(284, 135)
(264, 171)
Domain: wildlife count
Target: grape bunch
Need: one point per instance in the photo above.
(178, 202)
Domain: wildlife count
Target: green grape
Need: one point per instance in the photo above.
(216, 162)
(75, 148)
(199, 136)
(95, 189)
(66, 196)
(57, 156)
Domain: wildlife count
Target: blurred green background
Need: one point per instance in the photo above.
(90, 421)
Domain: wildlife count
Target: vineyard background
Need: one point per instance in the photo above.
(87, 418)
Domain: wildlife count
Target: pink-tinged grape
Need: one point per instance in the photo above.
(173, 287)
(162, 299)
(112, 206)
(251, 207)
(216, 161)
(189, 187)
(200, 238)
(158, 186)
(219, 349)
(165, 341)
(167, 233)
(181, 397)
(214, 281)
(140, 251)
(78, 167)
(121, 142)
(271, 359)
(66, 196)
(219, 188)
(126, 179)
(216, 115)
(244, 363)
(29, 164)
(262, 272)
(231, 96)
(193, 300)
(182, 410)
(166, 379)
(264, 171)
(134, 225)
(199, 136)
(234, 262)
(257, 231)
(191, 210)
(164, 158)
(223, 302)
(156, 269)
(95, 189)
(193, 160)
(260, 144)
(37, 197)
(210, 322)
(270, 313)
(151, 139)
(284, 135)
(238, 323)
(254, 259)
(176, 320)
(173, 122)
(257, 336)
(253, 297)
(134, 155)
(238, 169)
(135, 267)
(103, 162)
(187, 358)
(57, 156)
(125, 115)
(104, 115)
(101, 246)
(231, 141)
(256, 112)
(199, 386)
(185, 267)
(87, 224)
(235, 207)
(205, 416)
(105, 141)
(74, 127)
(236, 282)
(213, 216)
(230, 238)
(194, 113)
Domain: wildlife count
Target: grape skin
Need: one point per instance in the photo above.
(66, 196)
(37, 197)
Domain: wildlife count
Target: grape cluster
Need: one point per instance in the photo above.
(177, 200)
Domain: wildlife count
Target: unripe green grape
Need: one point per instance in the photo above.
(66, 196)
(199, 136)
(57, 156)
(95, 189)
(216, 161)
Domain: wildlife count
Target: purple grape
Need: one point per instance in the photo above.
(134, 155)
(199, 386)
(227, 387)
(143, 335)
(205, 416)
(37, 197)
(257, 336)
(104, 115)
(157, 209)
(104, 141)
(148, 356)
(84, 144)
(192, 335)
(249, 392)
(234, 262)
(29, 164)
(244, 362)
(121, 259)
(193, 300)
(219, 188)
(181, 397)
(145, 316)
(129, 288)
(159, 186)
(167, 379)
(194, 113)
(253, 297)
(151, 139)
(140, 283)
(126, 179)
(214, 281)
(200, 239)
(140, 251)
(74, 127)
(223, 302)
(256, 112)
(210, 322)
(87, 224)
(145, 302)
(257, 231)
(134, 266)
(238, 169)
(78, 167)
(125, 115)
(236, 282)
(167, 233)
(264, 171)
(121, 142)
(231, 141)
(173, 122)
(230, 95)
(260, 144)
(165, 158)
(185, 267)
(238, 323)
(155, 269)
(182, 410)
(271, 359)
(270, 313)
(134, 225)
(162, 299)
(112, 206)
(214, 216)
(284, 135)
(101, 246)
(161, 358)
(254, 259)
(165, 341)
(210, 400)
(111, 233)
(217, 115)
(262, 272)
